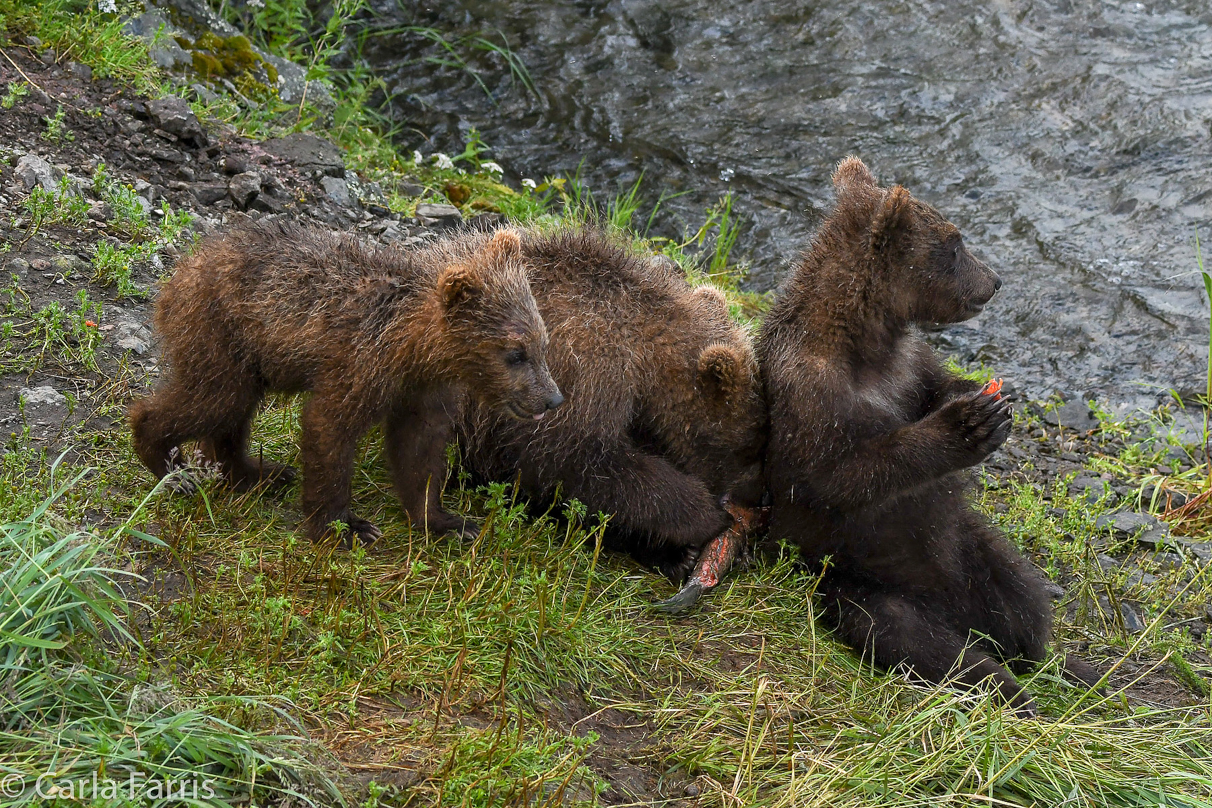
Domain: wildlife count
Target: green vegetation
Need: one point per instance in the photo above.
(17, 90)
(524, 666)
(71, 714)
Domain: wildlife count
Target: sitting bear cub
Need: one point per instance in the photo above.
(374, 335)
(870, 437)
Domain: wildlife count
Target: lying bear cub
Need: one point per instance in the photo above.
(374, 335)
(869, 437)
(664, 418)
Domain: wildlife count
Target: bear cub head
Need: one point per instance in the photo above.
(928, 275)
(494, 325)
(726, 436)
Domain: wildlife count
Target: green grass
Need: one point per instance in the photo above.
(521, 667)
(70, 715)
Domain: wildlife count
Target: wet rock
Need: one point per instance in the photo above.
(1163, 498)
(41, 396)
(1201, 551)
(337, 191)
(173, 115)
(1075, 414)
(210, 193)
(1145, 529)
(438, 216)
(1092, 489)
(80, 71)
(308, 153)
(244, 188)
(1132, 621)
(32, 171)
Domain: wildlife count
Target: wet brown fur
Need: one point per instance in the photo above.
(664, 412)
(869, 439)
(373, 335)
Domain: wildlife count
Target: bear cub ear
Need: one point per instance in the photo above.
(712, 295)
(892, 219)
(722, 370)
(457, 285)
(506, 243)
(852, 176)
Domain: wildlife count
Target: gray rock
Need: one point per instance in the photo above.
(1106, 563)
(1132, 621)
(438, 216)
(244, 188)
(210, 193)
(146, 190)
(18, 265)
(1075, 414)
(308, 153)
(80, 71)
(204, 94)
(41, 396)
(154, 29)
(294, 88)
(1092, 489)
(130, 335)
(173, 115)
(1141, 578)
(337, 190)
(1201, 551)
(68, 265)
(1145, 529)
(32, 171)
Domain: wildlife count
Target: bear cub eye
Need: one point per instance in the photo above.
(516, 357)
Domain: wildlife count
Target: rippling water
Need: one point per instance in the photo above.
(1069, 140)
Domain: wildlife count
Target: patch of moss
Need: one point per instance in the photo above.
(234, 59)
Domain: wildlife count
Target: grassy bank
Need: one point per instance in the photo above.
(526, 667)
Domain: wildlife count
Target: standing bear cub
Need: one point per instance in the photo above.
(374, 335)
(869, 436)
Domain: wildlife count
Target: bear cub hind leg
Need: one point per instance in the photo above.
(415, 436)
(894, 630)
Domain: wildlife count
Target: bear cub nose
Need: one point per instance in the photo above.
(556, 400)
(997, 282)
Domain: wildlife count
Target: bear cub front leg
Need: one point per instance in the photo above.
(971, 426)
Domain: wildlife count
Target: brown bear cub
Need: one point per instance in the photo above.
(665, 415)
(374, 335)
(869, 437)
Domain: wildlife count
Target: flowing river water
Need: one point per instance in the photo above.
(1069, 139)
